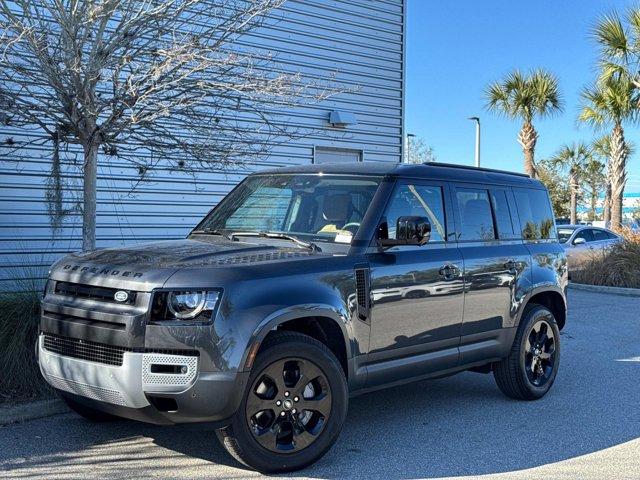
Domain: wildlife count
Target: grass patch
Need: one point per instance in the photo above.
(617, 267)
(19, 319)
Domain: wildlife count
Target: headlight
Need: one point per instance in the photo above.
(193, 305)
(186, 304)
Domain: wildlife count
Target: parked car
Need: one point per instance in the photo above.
(305, 286)
(582, 242)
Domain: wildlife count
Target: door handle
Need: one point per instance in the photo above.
(449, 271)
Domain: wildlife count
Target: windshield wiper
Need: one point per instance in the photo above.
(308, 245)
(212, 231)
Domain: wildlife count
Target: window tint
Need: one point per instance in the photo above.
(599, 235)
(419, 200)
(475, 214)
(611, 236)
(587, 234)
(503, 214)
(536, 216)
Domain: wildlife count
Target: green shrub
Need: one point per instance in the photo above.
(617, 267)
(19, 317)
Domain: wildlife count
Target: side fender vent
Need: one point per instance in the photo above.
(362, 292)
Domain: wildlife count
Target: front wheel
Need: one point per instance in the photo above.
(293, 408)
(531, 367)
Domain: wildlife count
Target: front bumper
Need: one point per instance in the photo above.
(129, 389)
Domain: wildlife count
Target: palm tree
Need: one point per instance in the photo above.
(525, 97)
(612, 101)
(594, 179)
(572, 159)
(619, 42)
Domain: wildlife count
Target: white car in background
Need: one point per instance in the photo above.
(581, 242)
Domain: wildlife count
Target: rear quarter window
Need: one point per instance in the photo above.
(536, 216)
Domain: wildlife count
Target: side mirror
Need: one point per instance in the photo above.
(410, 230)
(579, 241)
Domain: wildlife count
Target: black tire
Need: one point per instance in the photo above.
(88, 413)
(240, 438)
(521, 375)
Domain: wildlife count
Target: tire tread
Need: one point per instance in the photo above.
(507, 373)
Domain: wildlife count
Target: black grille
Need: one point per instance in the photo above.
(362, 292)
(92, 292)
(99, 352)
(84, 350)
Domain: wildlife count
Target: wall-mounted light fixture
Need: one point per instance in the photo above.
(342, 119)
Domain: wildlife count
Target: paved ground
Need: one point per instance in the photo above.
(587, 427)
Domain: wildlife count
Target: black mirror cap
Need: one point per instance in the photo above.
(410, 230)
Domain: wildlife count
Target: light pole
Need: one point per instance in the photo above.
(407, 146)
(477, 120)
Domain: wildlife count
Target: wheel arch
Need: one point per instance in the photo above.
(320, 322)
(552, 298)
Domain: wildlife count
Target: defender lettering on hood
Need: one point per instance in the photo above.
(101, 271)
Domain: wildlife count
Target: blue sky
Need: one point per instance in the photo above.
(454, 49)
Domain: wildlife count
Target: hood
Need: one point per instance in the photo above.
(144, 267)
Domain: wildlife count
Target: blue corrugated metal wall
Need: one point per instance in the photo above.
(358, 43)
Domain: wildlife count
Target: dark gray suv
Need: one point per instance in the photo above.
(305, 286)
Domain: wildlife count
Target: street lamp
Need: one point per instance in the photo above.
(477, 120)
(407, 146)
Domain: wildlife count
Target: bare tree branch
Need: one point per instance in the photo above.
(162, 77)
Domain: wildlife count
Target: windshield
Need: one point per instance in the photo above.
(325, 208)
(564, 234)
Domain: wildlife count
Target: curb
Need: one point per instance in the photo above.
(32, 410)
(626, 292)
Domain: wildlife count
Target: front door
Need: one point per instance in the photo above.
(417, 292)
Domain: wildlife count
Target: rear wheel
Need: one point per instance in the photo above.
(88, 413)
(293, 408)
(531, 367)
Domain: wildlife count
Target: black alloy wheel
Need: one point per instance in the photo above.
(293, 408)
(540, 350)
(288, 405)
(529, 370)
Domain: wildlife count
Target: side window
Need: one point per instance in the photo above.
(536, 216)
(504, 219)
(587, 234)
(419, 200)
(599, 235)
(475, 214)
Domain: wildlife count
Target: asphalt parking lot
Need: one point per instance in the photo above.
(462, 426)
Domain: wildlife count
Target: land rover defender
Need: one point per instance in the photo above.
(305, 286)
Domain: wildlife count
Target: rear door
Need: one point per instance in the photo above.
(494, 258)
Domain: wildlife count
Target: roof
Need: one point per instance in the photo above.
(431, 171)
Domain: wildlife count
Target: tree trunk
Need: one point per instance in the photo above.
(593, 203)
(527, 139)
(618, 174)
(573, 186)
(89, 196)
(606, 206)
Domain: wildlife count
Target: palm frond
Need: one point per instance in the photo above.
(633, 18)
(525, 96)
(571, 157)
(611, 35)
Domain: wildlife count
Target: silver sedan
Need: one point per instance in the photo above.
(581, 242)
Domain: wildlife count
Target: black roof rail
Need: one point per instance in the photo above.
(469, 167)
